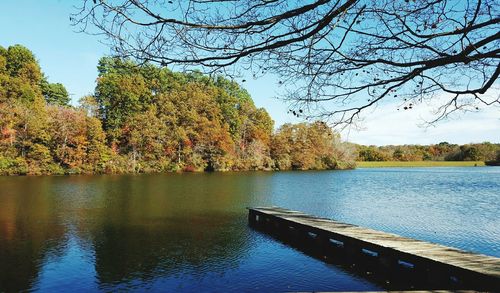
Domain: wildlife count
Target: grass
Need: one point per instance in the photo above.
(419, 164)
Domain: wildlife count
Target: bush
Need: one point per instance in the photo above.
(55, 169)
(10, 166)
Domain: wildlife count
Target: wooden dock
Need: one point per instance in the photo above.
(443, 267)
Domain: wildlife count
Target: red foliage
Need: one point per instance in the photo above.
(189, 168)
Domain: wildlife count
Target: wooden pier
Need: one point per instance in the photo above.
(440, 267)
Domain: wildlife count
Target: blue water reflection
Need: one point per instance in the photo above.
(189, 232)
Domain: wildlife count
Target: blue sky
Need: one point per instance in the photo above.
(71, 58)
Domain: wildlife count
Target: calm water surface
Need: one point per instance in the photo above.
(188, 232)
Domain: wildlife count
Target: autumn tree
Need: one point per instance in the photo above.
(161, 120)
(442, 151)
(77, 142)
(24, 125)
(38, 138)
(371, 153)
(309, 146)
(146, 118)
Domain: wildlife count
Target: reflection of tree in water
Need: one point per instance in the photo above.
(164, 226)
(135, 252)
(141, 227)
(29, 231)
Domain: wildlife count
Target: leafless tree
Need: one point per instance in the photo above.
(334, 58)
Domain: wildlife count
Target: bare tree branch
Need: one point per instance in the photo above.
(334, 58)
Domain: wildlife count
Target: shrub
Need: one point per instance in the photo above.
(13, 166)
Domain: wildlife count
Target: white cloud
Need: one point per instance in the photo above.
(386, 125)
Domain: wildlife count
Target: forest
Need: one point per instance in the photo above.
(145, 118)
(443, 151)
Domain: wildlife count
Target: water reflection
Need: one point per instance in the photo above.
(151, 248)
(29, 232)
(134, 228)
(189, 232)
(159, 227)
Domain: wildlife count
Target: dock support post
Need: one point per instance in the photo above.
(252, 218)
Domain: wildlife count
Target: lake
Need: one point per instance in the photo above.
(189, 232)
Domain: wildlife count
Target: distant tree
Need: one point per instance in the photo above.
(54, 93)
(371, 153)
(438, 152)
(471, 153)
(309, 146)
(89, 105)
(399, 155)
(336, 58)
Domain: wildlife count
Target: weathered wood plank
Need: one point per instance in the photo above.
(406, 249)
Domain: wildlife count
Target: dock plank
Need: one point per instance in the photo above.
(416, 249)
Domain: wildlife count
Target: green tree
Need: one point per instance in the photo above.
(54, 93)
(20, 62)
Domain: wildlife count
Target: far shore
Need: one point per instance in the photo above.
(384, 164)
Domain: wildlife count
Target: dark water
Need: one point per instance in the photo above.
(188, 232)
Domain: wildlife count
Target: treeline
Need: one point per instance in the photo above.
(443, 151)
(144, 118)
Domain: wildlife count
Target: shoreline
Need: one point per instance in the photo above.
(409, 164)
(359, 165)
